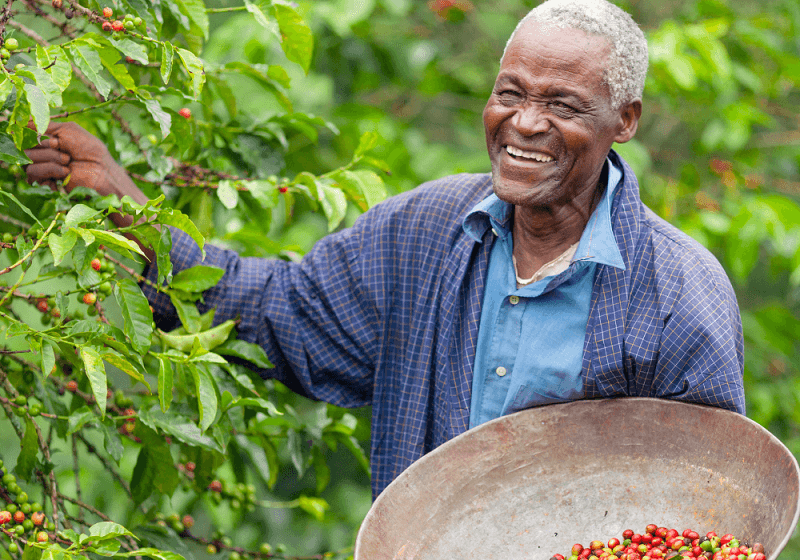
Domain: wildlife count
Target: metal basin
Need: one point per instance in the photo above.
(532, 484)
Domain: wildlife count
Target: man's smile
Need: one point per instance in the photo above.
(518, 153)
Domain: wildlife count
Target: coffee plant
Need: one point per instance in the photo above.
(88, 383)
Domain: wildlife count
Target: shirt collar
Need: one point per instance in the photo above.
(597, 243)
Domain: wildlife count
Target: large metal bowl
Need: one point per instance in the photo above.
(532, 484)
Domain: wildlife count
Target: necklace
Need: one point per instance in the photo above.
(540, 273)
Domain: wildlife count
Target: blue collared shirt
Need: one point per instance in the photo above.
(530, 342)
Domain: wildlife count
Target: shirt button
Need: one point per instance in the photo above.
(514, 300)
(501, 371)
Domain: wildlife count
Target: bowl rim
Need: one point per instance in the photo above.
(374, 511)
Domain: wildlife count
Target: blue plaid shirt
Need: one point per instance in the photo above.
(386, 313)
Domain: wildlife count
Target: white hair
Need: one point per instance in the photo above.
(626, 67)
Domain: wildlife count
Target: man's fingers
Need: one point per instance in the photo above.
(44, 155)
(46, 171)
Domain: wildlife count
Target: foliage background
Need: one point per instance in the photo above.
(717, 154)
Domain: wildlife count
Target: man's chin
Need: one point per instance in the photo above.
(520, 193)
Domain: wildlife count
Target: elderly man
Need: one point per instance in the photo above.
(475, 296)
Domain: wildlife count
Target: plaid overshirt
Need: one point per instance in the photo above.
(386, 313)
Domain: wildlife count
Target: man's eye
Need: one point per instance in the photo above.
(509, 93)
(560, 106)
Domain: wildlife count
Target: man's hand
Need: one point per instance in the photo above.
(70, 151)
(73, 152)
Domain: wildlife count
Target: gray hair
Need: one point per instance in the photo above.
(626, 67)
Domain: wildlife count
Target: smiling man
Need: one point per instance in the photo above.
(475, 296)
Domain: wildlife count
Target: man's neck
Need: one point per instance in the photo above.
(541, 234)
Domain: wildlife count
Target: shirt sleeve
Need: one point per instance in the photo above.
(315, 321)
(701, 356)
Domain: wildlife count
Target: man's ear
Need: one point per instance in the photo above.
(629, 120)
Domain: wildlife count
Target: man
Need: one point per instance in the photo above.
(451, 304)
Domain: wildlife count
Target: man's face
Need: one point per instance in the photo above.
(549, 121)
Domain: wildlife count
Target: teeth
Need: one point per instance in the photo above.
(528, 155)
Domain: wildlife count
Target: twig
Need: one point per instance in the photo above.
(4, 17)
(76, 467)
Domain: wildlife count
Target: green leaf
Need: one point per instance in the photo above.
(265, 192)
(197, 278)
(60, 245)
(108, 530)
(181, 221)
(131, 48)
(247, 351)
(96, 372)
(260, 404)
(227, 194)
(321, 469)
(159, 115)
(51, 91)
(79, 214)
(29, 449)
(258, 10)
(32, 553)
(136, 314)
(119, 242)
(314, 506)
(333, 203)
(367, 142)
(79, 418)
(206, 396)
(178, 427)
(110, 59)
(48, 357)
(208, 339)
(54, 60)
(9, 153)
(194, 66)
(20, 115)
(154, 470)
(86, 57)
(112, 442)
(196, 10)
(119, 361)
(164, 383)
(154, 553)
(297, 41)
(187, 313)
(167, 54)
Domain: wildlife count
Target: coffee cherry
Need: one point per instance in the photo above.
(265, 548)
(5, 517)
(107, 27)
(89, 298)
(38, 518)
(185, 113)
(188, 521)
(284, 189)
(117, 25)
(12, 547)
(215, 486)
(5, 55)
(211, 549)
(96, 264)
(12, 44)
(72, 386)
(22, 498)
(108, 13)
(19, 517)
(42, 306)
(27, 524)
(105, 288)
(42, 537)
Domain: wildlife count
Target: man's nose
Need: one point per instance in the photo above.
(531, 119)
